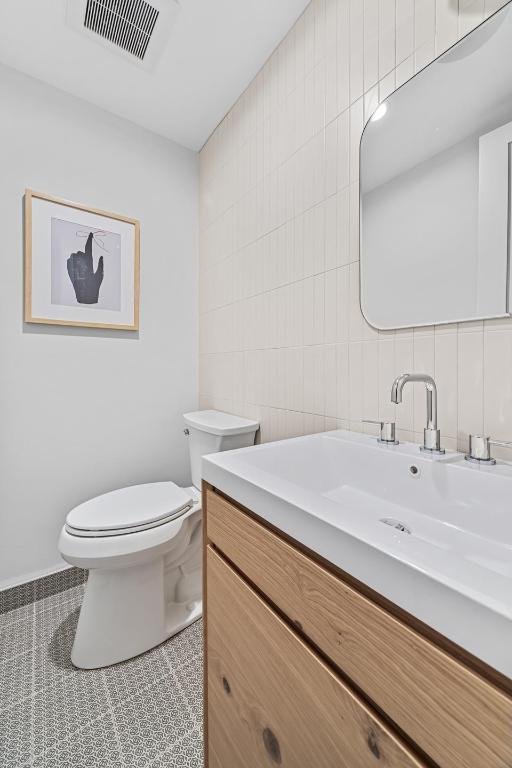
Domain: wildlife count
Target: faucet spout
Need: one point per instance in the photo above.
(431, 434)
(397, 388)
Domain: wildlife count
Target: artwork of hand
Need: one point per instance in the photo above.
(86, 281)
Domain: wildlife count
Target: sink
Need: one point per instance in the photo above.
(431, 533)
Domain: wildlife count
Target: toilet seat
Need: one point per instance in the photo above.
(129, 510)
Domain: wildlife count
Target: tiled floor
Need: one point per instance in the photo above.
(143, 713)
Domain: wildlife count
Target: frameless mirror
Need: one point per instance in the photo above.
(436, 188)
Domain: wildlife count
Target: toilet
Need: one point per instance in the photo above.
(142, 547)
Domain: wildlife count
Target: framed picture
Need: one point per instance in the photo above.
(81, 265)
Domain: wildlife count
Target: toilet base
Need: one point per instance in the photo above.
(128, 610)
(112, 629)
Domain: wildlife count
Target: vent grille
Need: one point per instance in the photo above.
(128, 24)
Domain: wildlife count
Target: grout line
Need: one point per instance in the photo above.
(174, 744)
(113, 717)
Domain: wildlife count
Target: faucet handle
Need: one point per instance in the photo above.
(387, 431)
(480, 449)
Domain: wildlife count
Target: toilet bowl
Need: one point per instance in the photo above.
(142, 547)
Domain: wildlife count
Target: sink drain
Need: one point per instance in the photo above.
(395, 524)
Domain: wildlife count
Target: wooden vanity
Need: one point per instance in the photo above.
(306, 668)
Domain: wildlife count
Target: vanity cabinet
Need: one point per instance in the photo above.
(305, 668)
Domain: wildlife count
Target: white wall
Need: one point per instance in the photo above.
(282, 338)
(86, 411)
(420, 235)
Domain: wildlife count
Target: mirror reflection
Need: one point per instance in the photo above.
(435, 188)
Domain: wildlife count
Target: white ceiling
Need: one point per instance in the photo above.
(214, 50)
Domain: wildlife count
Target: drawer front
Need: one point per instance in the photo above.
(271, 701)
(455, 716)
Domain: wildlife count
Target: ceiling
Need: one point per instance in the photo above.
(215, 48)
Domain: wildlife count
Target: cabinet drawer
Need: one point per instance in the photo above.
(456, 717)
(271, 700)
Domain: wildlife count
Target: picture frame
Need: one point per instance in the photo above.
(82, 265)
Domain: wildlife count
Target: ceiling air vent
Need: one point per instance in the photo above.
(136, 29)
(126, 23)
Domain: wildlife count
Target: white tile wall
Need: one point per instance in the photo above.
(282, 338)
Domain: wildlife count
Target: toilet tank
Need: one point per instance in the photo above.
(215, 431)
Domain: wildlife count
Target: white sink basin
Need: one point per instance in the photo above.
(434, 535)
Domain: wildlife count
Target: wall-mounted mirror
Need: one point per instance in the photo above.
(436, 188)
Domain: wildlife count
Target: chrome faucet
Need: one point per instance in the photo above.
(480, 449)
(431, 434)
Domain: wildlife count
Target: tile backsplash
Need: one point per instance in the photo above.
(282, 337)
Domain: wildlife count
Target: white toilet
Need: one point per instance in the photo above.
(142, 546)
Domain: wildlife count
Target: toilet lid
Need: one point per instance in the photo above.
(128, 510)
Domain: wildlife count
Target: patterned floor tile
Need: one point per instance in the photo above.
(94, 746)
(186, 753)
(191, 681)
(73, 595)
(151, 722)
(17, 614)
(183, 647)
(16, 637)
(132, 677)
(142, 713)
(57, 624)
(61, 709)
(60, 582)
(52, 663)
(17, 597)
(15, 735)
(54, 583)
(16, 679)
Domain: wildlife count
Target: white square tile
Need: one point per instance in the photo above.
(343, 381)
(343, 148)
(343, 55)
(355, 352)
(294, 375)
(497, 384)
(314, 310)
(370, 406)
(387, 36)
(309, 38)
(343, 226)
(331, 380)
(404, 29)
(446, 377)
(356, 49)
(331, 298)
(343, 307)
(386, 376)
(371, 43)
(331, 158)
(470, 385)
(354, 222)
(314, 380)
(331, 79)
(320, 29)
